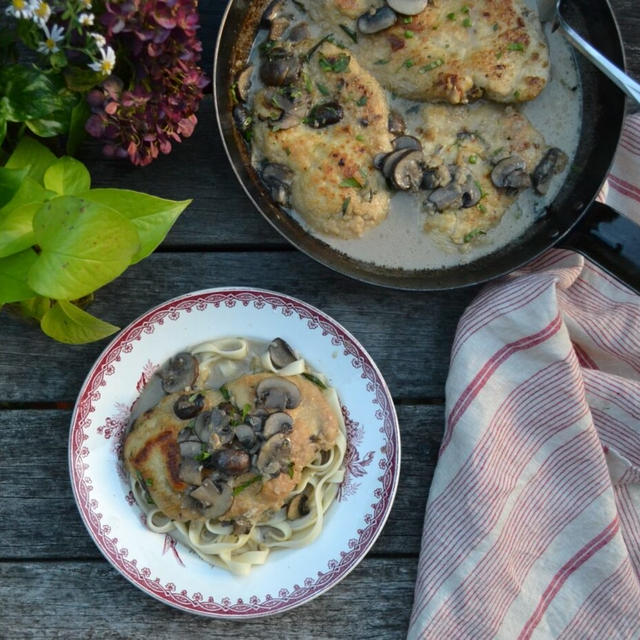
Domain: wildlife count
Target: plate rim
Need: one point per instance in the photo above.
(116, 559)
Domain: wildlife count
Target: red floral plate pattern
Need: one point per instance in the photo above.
(172, 573)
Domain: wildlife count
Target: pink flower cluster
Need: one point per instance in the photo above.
(142, 113)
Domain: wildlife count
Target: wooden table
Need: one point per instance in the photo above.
(53, 580)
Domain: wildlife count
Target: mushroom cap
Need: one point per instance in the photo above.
(275, 455)
(554, 161)
(215, 497)
(278, 393)
(299, 506)
(179, 372)
(408, 7)
(188, 406)
(406, 142)
(281, 353)
(501, 171)
(407, 171)
(276, 423)
(375, 21)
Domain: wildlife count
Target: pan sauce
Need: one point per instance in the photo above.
(555, 114)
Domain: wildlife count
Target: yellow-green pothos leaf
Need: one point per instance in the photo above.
(30, 153)
(35, 307)
(13, 276)
(16, 229)
(153, 217)
(29, 191)
(84, 245)
(10, 181)
(67, 323)
(67, 176)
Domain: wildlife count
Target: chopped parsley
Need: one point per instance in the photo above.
(362, 101)
(225, 392)
(245, 410)
(350, 182)
(336, 65)
(466, 22)
(515, 46)
(408, 34)
(407, 20)
(408, 63)
(473, 158)
(464, 9)
(308, 85)
(311, 378)
(474, 234)
(322, 88)
(350, 32)
(241, 487)
(451, 16)
(360, 138)
(345, 206)
(204, 454)
(482, 208)
(290, 470)
(434, 64)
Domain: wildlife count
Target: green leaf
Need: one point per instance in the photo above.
(81, 80)
(83, 246)
(153, 217)
(16, 229)
(30, 153)
(27, 93)
(67, 323)
(67, 176)
(10, 181)
(13, 277)
(35, 307)
(29, 191)
(79, 115)
(54, 125)
(350, 182)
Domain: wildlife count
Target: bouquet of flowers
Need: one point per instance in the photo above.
(126, 72)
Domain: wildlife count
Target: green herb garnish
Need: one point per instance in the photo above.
(311, 378)
(362, 101)
(482, 208)
(382, 61)
(451, 16)
(515, 46)
(241, 487)
(474, 234)
(408, 34)
(360, 138)
(345, 206)
(316, 46)
(335, 65)
(408, 63)
(350, 182)
(245, 410)
(464, 9)
(290, 470)
(473, 158)
(434, 64)
(350, 32)
(323, 89)
(204, 454)
(225, 392)
(466, 22)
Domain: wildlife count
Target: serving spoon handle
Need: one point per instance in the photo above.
(615, 74)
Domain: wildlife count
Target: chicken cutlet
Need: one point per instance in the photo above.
(451, 51)
(315, 134)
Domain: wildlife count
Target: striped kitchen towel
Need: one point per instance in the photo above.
(532, 527)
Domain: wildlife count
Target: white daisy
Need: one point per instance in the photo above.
(40, 11)
(106, 64)
(50, 44)
(19, 9)
(86, 19)
(99, 38)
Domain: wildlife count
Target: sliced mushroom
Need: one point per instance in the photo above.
(215, 497)
(406, 173)
(280, 353)
(406, 142)
(233, 462)
(374, 21)
(396, 123)
(279, 422)
(378, 160)
(299, 506)
(221, 430)
(190, 471)
(278, 27)
(554, 161)
(280, 68)
(188, 406)
(246, 436)
(190, 448)
(278, 179)
(242, 118)
(518, 179)
(325, 114)
(449, 197)
(504, 168)
(256, 421)
(434, 177)
(243, 83)
(408, 7)
(278, 393)
(179, 373)
(299, 32)
(275, 455)
(471, 193)
(390, 161)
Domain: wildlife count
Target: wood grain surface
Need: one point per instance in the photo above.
(53, 581)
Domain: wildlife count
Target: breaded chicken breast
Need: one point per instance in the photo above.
(329, 150)
(452, 51)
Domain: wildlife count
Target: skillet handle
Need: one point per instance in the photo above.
(611, 240)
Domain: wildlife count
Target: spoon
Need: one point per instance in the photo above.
(549, 11)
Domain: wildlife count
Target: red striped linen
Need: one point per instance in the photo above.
(532, 526)
(622, 189)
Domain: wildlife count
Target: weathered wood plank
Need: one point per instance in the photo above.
(91, 600)
(35, 488)
(407, 334)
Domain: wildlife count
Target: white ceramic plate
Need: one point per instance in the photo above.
(169, 571)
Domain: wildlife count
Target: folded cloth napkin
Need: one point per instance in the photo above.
(532, 527)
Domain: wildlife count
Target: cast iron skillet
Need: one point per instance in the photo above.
(574, 220)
